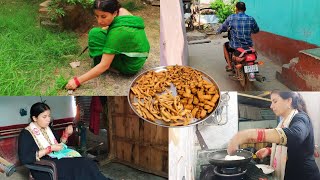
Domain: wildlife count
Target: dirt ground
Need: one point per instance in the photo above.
(110, 83)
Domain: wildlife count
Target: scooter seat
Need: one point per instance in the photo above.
(240, 52)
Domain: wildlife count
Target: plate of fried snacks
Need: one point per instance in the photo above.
(174, 96)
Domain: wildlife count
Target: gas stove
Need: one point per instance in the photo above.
(211, 172)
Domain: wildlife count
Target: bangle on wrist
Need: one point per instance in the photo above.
(269, 150)
(76, 80)
(65, 135)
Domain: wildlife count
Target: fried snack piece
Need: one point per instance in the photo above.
(196, 97)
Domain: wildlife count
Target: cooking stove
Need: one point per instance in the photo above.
(211, 172)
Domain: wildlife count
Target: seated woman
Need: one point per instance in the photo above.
(292, 153)
(120, 43)
(37, 141)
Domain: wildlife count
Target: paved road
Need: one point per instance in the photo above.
(209, 58)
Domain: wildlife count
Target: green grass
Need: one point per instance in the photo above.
(31, 56)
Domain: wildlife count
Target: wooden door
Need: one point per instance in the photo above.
(136, 142)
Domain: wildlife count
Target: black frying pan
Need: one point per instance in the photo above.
(217, 158)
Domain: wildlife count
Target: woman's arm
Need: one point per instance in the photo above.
(66, 133)
(28, 150)
(104, 65)
(253, 136)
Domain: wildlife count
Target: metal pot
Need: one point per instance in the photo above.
(217, 158)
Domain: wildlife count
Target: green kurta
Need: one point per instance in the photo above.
(126, 39)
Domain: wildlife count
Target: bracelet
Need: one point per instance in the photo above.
(49, 150)
(261, 135)
(76, 80)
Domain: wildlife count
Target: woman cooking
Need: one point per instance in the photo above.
(119, 44)
(37, 142)
(293, 140)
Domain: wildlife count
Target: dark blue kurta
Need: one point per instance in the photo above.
(301, 163)
(68, 168)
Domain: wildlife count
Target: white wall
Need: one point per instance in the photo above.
(173, 39)
(61, 107)
(217, 137)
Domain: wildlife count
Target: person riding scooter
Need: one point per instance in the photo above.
(241, 27)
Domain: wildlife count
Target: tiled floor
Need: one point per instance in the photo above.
(20, 174)
(118, 171)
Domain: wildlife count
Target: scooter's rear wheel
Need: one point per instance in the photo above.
(242, 78)
(245, 83)
(249, 84)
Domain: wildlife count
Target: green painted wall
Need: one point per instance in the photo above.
(296, 19)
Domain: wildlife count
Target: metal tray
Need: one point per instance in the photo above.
(194, 121)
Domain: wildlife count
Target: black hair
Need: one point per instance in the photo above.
(110, 6)
(297, 100)
(37, 109)
(241, 6)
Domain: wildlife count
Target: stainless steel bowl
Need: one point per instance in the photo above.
(194, 121)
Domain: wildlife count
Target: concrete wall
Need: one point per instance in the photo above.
(257, 124)
(61, 107)
(173, 40)
(286, 27)
(292, 19)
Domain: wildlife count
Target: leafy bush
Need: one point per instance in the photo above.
(56, 7)
(222, 9)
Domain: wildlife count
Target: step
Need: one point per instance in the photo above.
(315, 53)
(302, 73)
(49, 24)
(44, 18)
(45, 4)
(202, 41)
(43, 11)
(155, 3)
(195, 35)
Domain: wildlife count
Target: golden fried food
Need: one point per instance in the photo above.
(196, 97)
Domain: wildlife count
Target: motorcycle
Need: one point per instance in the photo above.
(244, 66)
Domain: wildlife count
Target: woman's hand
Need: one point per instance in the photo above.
(262, 153)
(69, 130)
(104, 64)
(56, 147)
(233, 145)
(71, 84)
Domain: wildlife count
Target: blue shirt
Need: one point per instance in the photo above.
(241, 27)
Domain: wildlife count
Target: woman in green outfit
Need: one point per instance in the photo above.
(120, 43)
